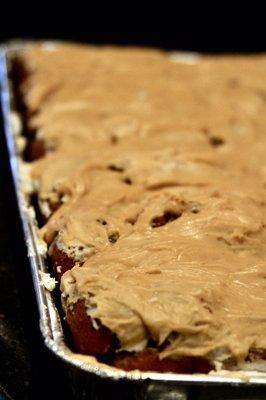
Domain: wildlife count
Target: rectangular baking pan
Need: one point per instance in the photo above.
(91, 379)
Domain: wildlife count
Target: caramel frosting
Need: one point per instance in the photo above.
(156, 164)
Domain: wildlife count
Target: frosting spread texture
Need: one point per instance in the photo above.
(155, 178)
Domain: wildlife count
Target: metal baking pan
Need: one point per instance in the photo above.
(91, 379)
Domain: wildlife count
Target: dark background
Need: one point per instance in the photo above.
(196, 26)
(27, 369)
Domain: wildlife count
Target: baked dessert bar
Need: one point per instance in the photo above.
(148, 170)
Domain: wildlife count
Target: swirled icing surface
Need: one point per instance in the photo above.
(160, 167)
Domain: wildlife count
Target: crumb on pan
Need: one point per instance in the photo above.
(47, 281)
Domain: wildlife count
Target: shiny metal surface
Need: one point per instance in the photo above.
(154, 384)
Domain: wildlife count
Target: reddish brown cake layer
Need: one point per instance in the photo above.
(61, 262)
(97, 342)
(34, 149)
(148, 360)
(87, 339)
